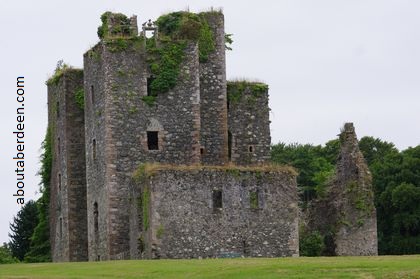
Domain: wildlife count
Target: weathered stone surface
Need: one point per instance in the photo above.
(184, 223)
(249, 126)
(347, 215)
(68, 228)
(213, 102)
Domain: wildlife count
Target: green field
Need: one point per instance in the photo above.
(322, 267)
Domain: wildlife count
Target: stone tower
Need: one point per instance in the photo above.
(68, 230)
(347, 215)
(161, 127)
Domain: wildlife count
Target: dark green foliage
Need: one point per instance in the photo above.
(311, 244)
(188, 26)
(6, 256)
(314, 168)
(228, 41)
(165, 64)
(40, 242)
(22, 229)
(80, 98)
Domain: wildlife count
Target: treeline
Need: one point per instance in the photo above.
(29, 230)
(396, 183)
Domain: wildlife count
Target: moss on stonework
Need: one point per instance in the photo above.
(236, 89)
(160, 231)
(120, 44)
(80, 97)
(253, 200)
(149, 100)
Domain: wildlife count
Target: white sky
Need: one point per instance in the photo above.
(327, 62)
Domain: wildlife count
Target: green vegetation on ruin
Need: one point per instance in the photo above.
(165, 53)
(188, 26)
(321, 267)
(147, 170)
(236, 90)
(60, 70)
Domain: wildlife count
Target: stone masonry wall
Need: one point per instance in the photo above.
(248, 123)
(182, 221)
(214, 138)
(68, 185)
(96, 160)
(120, 122)
(58, 195)
(347, 215)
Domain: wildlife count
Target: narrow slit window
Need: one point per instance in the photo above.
(61, 227)
(59, 181)
(251, 149)
(149, 85)
(58, 109)
(153, 140)
(95, 217)
(92, 95)
(230, 145)
(202, 151)
(58, 145)
(217, 199)
(94, 149)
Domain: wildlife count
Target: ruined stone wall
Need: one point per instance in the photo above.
(182, 220)
(346, 216)
(214, 138)
(353, 193)
(68, 183)
(248, 123)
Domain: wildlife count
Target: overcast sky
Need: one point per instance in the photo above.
(327, 62)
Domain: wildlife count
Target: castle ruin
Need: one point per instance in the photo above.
(156, 155)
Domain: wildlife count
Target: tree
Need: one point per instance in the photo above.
(22, 229)
(6, 255)
(40, 243)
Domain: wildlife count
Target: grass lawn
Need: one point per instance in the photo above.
(322, 267)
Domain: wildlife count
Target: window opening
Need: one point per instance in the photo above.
(152, 140)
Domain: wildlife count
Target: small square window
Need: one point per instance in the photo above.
(152, 140)
(217, 199)
(253, 199)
